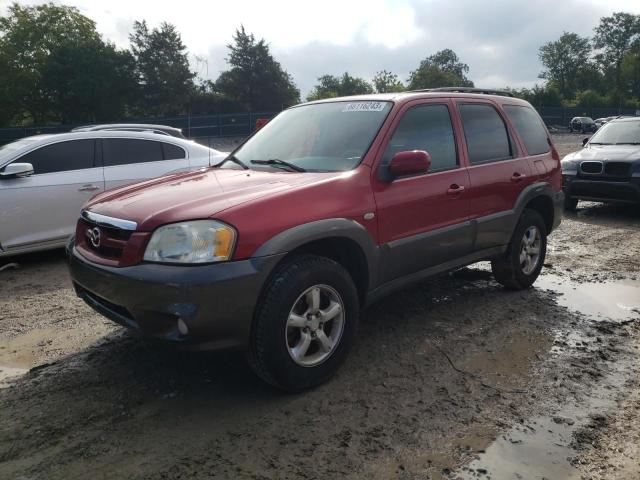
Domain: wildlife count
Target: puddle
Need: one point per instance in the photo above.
(540, 448)
(614, 301)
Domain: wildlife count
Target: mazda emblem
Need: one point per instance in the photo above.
(93, 236)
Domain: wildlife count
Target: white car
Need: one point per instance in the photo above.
(45, 179)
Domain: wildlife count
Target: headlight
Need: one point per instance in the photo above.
(199, 241)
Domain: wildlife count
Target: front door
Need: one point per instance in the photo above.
(423, 219)
(42, 209)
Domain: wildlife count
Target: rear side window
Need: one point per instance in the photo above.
(172, 152)
(60, 157)
(530, 128)
(426, 127)
(125, 151)
(485, 132)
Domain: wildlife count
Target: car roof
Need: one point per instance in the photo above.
(132, 126)
(402, 97)
(36, 141)
(625, 119)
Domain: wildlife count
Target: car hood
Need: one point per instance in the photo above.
(624, 153)
(195, 195)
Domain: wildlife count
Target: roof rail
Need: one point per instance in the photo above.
(485, 91)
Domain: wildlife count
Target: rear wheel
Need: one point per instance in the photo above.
(305, 323)
(525, 255)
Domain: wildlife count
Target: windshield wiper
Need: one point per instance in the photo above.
(600, 143)
(280, 163)
(234, 159)
(627, 143)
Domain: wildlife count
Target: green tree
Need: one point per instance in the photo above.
(614, 38)
(386, 82)
(540, 95)
(162, 69)
(89, 83)
(28, 37)
(256, 81)
(330, 86)
(567, 63)
(443, 69)
(631, 70)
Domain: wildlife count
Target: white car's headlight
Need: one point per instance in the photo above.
(198, 241)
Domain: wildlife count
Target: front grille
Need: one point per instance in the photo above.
(619, 169)
(111, 243)
(591, 167)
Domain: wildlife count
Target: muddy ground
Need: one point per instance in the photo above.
(452, 378)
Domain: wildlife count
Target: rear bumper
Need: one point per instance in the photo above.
(602, 190)
(216, 302)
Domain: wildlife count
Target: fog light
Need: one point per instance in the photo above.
(182, 327)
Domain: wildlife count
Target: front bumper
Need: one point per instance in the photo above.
(625, 191)
(216, 302)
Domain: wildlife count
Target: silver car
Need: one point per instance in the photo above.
(45, 179)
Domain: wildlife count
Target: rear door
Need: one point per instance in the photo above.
(498, 171)
(130, 160)
(423, 219)
(42, 209)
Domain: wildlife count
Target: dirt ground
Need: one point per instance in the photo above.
(452, 378)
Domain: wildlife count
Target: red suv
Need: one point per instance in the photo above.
(328, 207)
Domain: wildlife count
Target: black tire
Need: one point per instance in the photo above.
(508, 270)
(570, 204)
(268, 354)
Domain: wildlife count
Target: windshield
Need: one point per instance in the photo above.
(616, 133)
(332, 136)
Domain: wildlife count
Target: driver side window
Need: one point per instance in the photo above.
(429, 128)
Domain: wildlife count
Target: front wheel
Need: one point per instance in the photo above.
(525, 255)
(305, 323)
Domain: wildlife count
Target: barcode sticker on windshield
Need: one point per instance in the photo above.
(364, 107)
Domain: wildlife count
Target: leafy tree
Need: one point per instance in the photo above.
(590, 99)
(631, 70)
(330, 86)
(540, 95)
(256, 80)
(89, 83)
(28, 36)
(614, 37)
(443, 69)
(162, 68)
(386, 82)
(567, 62)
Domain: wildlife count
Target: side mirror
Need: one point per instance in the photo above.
(584, 141)
(411, 162)
(16, 170)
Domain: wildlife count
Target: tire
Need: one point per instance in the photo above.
(287, 299)
(570, 204)
(509, 270)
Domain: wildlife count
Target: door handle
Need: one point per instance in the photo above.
(455, 189)
(88, 188)
(517, 176)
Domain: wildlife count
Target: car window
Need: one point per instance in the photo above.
(172, 152)
(61, 157)
(530, 128)
(426, 127)
(485, 132)
(125, 151)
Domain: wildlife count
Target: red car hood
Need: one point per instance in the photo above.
(194, 195)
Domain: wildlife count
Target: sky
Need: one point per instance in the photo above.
(498, 39)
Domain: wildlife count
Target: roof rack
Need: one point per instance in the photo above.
(484, 91)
